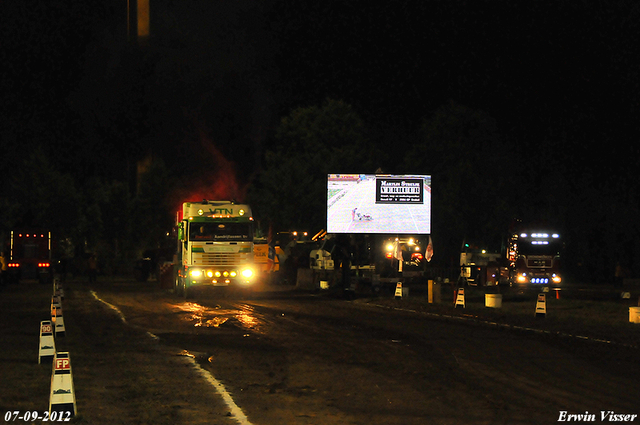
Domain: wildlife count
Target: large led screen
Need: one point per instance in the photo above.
(376, 203)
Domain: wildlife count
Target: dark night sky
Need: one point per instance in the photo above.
(551, 72)
(560, 73)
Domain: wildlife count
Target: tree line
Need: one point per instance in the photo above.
(481, 181)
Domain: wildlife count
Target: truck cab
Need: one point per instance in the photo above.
(215, 247)
(534, 257)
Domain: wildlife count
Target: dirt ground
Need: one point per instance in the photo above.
(122, 374)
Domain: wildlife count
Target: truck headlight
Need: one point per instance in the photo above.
(195, 273)
(247, 273)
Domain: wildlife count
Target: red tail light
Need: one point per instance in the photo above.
(43, 264)
(389, 254)
(417, 255)
(13, 265)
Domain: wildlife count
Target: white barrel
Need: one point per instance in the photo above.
(493, 300)
(634, 314)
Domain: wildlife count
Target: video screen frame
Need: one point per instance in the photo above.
(379, 204)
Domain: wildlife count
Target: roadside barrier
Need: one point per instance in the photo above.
(47, 348)
(62, 399)
(541, 306)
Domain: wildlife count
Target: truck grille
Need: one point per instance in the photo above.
(539, 262)
(217, 259)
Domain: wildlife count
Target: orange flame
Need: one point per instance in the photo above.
(218, 182)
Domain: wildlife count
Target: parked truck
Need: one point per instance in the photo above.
(215, 247)
(534, 257)
(30, 256)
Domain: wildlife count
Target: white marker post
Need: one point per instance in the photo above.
(398, 294)
(47, 348)
(541, 306)
(58, 321)
(460, 298)
(63, 398)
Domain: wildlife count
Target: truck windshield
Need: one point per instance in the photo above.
(220, 232)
